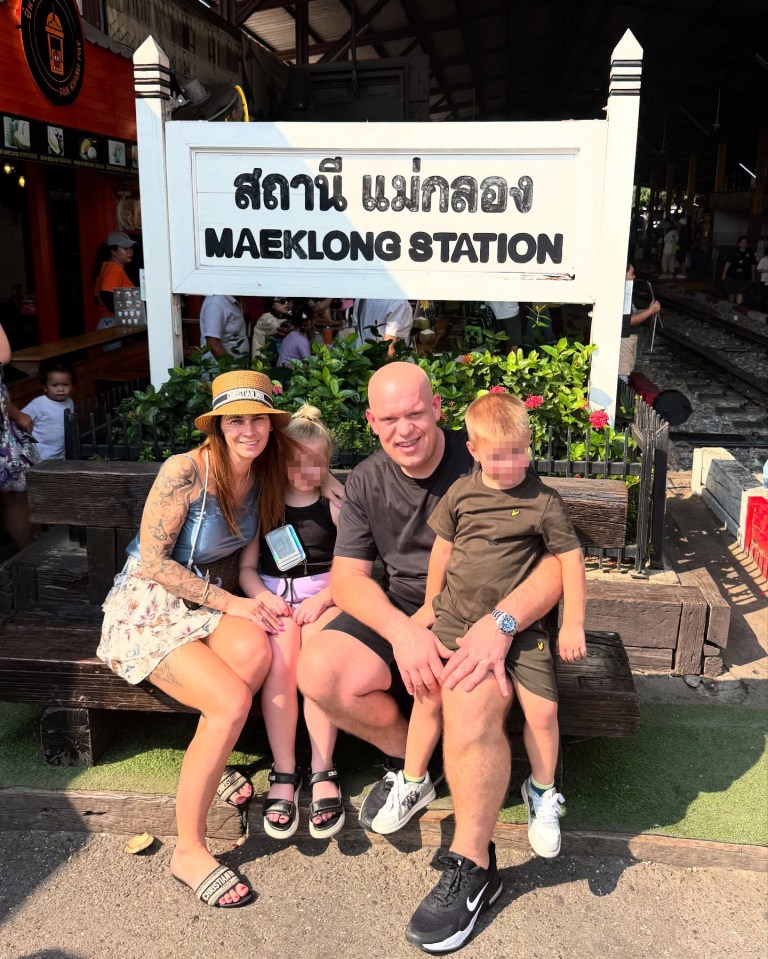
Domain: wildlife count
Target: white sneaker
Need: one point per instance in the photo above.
(544, 813)
(404, 801)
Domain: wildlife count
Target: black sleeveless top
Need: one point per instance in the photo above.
(317, 533)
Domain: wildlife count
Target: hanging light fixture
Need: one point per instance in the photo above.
(8, 168)
(22, 181)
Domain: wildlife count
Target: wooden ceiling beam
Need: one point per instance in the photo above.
(429, 48)
(362, 25)
(249, 7)
(472, 46)
(385, 36)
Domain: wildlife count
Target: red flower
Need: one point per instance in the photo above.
(277, 389)
(498, 389)
(533, 402)
(465, 358)
(598, 419)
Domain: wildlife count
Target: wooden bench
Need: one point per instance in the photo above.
(47, 645)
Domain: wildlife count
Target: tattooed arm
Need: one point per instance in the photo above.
(165, 511)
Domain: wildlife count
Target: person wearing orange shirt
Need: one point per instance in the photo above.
(111, 276)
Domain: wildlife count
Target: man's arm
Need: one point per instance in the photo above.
(215, 346)
(417, 651)
(483, 648)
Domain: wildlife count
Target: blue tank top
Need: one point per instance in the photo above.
(215, 540)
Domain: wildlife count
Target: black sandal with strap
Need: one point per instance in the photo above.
(329, 827)
(282, 807)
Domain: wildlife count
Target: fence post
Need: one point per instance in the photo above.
(659, 491)
(153, 90)
(616, 206)
(72, 449)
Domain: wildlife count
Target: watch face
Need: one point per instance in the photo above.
(506, 623)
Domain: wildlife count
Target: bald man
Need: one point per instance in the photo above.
(363, 669)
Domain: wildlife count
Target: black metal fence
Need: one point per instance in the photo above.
(96, 433)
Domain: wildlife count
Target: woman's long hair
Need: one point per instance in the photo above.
(270, 470)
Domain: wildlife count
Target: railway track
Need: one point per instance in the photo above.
(722, 367)
(733, 348)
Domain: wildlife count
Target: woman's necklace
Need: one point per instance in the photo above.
(239, 489)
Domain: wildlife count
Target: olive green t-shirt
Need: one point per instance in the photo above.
(498, 537)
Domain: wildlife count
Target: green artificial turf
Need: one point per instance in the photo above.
(692, 771)
(697, 772)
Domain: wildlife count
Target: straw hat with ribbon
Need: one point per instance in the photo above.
(241, 393)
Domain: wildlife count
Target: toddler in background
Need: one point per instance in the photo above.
(47, 411)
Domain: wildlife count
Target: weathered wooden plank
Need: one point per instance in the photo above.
(597, 694)
(75, 737)
(597, 509)
(100, 545)
(645, 658)
(434, 827)
(647, 614)
(691, 571)
(127, 813)
(99, 493)
(112, 494)
(57, 667)
(690, 643)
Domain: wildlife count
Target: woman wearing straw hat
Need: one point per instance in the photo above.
(167, 620)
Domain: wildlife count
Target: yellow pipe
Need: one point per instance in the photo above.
(245, 105)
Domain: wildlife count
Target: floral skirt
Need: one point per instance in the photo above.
(143, 622)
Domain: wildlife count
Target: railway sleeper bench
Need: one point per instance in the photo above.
(47, 645)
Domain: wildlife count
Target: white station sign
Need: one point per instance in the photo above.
(464, 211)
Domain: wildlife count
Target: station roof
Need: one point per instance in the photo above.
(705, 67)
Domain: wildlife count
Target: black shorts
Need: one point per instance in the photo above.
(737, 286)
(344, 623)
(529, 660)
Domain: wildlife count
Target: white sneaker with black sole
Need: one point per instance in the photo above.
(544, 812)
(405, 799)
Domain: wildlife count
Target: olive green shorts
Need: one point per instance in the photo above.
(529, 659)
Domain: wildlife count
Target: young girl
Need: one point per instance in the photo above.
(296, 603)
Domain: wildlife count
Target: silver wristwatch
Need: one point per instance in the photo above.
(505, 621)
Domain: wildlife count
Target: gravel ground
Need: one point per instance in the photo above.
(73, 896)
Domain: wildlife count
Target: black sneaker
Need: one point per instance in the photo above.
(377, 797)
(446, 918)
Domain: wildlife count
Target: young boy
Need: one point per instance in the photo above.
(47, 411)
(491, 528)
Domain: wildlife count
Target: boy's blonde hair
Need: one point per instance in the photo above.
(495, 416)
(307, 426)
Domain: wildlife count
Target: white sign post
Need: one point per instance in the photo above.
(151, 79)
(534, 212)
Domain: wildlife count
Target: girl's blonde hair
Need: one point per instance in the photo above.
(306, 426)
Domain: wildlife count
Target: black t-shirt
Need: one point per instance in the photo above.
(741, 262)
(385, 513)
(317, 534)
